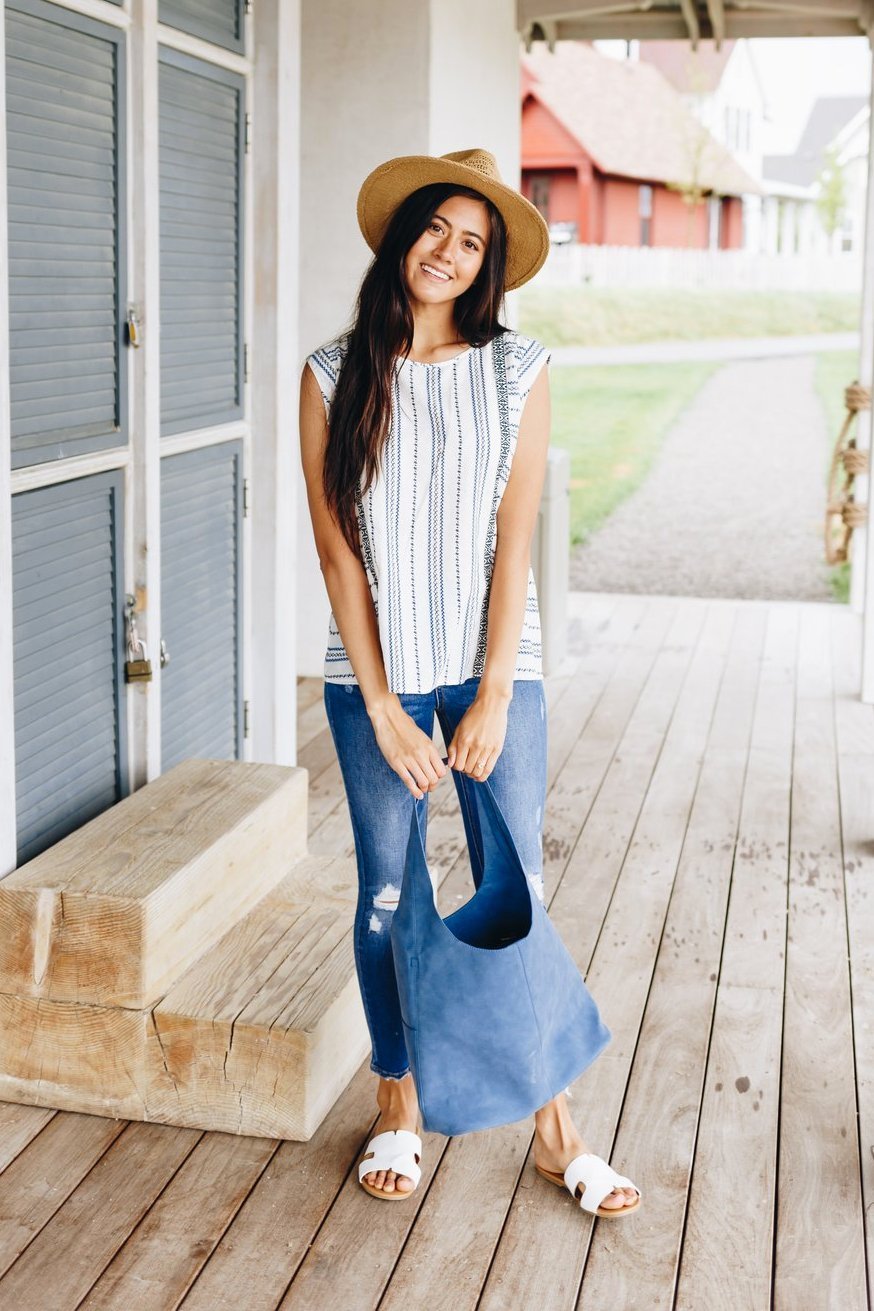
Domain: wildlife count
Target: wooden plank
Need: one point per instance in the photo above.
(820, 1229)
(43, 1176)
(274, 1227)
(611, 905)
(19, 1125)
(115, 911)
(67, 1257)
(854, 721)
(727, 1250)
(634, 1265)
(158, 1263)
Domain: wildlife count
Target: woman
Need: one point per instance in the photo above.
(424, 477)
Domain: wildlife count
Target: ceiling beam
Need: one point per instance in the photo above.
(716, 14)
(663, 25)
(528, 11)
(690, 18)
(590, 20)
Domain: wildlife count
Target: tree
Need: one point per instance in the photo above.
(831, 199)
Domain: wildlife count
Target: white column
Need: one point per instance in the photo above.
(862, 550)
(275, 573)
(143, 485)
(8, 845)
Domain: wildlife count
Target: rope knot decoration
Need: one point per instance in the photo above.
(842, 512)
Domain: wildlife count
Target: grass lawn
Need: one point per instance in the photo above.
(611, 420)
(607, 316)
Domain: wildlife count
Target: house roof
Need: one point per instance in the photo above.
(695, 72)
(629, 119)
(827, 117)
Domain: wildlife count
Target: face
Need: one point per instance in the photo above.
(454, 244)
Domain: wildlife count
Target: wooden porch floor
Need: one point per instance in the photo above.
(709, 859)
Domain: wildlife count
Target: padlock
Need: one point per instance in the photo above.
(137, 669)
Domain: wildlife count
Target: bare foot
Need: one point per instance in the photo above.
(399, 1109)
(556, 1143)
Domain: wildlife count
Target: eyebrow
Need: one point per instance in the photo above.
(465, 231)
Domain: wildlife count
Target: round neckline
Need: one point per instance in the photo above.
(438, 364)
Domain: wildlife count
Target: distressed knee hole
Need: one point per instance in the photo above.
(386, 900)
(537, 881)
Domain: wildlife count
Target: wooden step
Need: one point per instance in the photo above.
(116, 911)
(260, 1036)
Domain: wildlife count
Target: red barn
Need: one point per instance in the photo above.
(610, 149)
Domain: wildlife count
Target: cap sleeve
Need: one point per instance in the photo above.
(528, 356)
(326, 362)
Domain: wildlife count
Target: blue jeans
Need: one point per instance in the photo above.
(381, 809)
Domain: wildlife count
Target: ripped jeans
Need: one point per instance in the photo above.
(381, 809)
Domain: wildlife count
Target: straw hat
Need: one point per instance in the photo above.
(387, 185)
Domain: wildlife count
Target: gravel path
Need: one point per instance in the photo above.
(734, 503)
(709, 348)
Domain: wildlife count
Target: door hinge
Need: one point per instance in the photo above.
(245, 498)
(245, 719)
(245, 361)
(247, 8)
(248, 138)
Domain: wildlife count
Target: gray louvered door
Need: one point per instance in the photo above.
(70, 749)
(65, 145)
(201, 531)
(201, 147)
(219, 21)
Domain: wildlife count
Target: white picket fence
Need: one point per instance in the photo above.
(572, 264)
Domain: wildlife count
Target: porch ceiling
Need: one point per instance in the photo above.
(582, 20)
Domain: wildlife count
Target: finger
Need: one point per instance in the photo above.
(432, 768)
(407, 777)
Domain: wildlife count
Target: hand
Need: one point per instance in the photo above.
(410, 751)
(479, 737)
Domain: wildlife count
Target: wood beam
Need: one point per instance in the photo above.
(589, 20)
(716, 14)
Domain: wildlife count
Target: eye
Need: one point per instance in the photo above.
(472, 244)
(435, 224)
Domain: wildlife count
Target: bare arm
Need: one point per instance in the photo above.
(479, 735)
(516, 521)
(409, 751)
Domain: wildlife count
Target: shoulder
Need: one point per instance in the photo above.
(328, 357)
(326, 361)
(527, 356)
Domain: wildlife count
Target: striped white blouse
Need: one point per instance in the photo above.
(427, 525)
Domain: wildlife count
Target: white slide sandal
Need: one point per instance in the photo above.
(599, 1180)
(394, 1149)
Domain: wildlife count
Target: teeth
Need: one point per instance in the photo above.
(437, 272)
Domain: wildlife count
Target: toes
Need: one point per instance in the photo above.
(403, 1183)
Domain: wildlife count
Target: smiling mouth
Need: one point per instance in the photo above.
(430, 272)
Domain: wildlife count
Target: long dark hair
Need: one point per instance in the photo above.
(382, 328)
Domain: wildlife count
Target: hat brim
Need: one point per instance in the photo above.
(387, 185)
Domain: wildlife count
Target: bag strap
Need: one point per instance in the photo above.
(497, 839)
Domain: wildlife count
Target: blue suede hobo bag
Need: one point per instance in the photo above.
(497, 1018)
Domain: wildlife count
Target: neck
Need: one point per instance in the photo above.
(434, 330)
